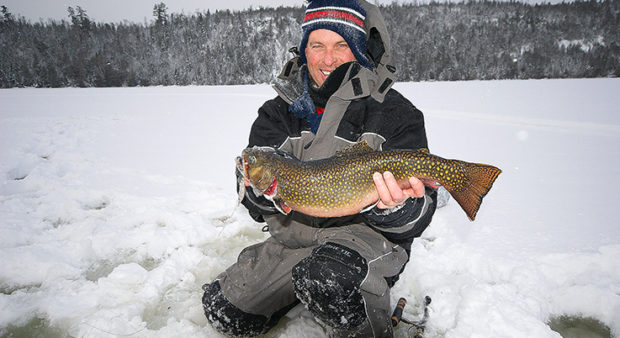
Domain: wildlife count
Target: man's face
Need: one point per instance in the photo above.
(325, 51)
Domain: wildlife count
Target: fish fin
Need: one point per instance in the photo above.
(285, 208)
(282, 207)
(360, 147)
(478, 181)
(431, 183)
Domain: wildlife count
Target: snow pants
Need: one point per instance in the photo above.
(341, 274)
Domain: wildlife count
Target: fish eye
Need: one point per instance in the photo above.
(251, 159)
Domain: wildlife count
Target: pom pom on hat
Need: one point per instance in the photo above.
(345, 17)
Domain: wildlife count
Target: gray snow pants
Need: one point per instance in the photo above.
(339, 273)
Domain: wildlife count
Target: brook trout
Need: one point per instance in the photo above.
(343, 185)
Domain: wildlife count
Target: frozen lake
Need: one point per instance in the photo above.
(117, 204)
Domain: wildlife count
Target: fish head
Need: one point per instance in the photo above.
(254, 164)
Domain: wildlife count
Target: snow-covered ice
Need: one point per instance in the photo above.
(117, 204)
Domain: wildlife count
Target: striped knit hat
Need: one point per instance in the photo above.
(345, 17)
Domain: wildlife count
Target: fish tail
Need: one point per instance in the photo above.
(476, 183)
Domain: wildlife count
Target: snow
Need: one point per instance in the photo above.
(583, 44)
(117, 204)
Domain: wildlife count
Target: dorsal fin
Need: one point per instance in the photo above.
(360, 147)
(423, 150)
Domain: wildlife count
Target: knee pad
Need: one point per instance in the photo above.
(226, 317)
(329, 283)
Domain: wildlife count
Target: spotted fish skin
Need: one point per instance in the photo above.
(343, 185)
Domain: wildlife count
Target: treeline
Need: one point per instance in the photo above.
(436, 41)
(506, 40)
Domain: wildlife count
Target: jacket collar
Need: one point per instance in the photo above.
(357, 83)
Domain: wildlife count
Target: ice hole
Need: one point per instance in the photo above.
(579, 327)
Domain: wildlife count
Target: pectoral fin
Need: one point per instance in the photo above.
(282, 207)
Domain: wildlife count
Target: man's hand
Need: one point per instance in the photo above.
(391, 194)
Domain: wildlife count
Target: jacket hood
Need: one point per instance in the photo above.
(378, 42)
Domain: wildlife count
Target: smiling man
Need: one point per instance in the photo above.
(325, 51)
(336, 92)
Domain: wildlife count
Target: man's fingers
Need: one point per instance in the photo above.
(396, 193)
(417, 187)
(382, 189)
(391, 194)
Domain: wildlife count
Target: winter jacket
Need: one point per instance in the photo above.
(363, 106)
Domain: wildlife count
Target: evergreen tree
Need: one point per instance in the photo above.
(79, 18)
(7, 17)
(160, 14)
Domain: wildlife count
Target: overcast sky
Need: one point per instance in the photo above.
(141, 10)
(132, 10)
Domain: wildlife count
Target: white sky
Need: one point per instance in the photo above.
(132, 10)
(141, 10)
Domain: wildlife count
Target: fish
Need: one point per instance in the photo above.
(343, 185)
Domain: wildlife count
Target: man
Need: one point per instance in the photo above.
(335, 93)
